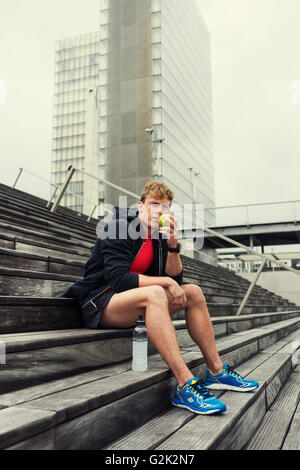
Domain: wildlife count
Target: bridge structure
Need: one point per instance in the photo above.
(261, 234)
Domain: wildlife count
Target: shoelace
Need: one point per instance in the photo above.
(232, 372)
(200, 389)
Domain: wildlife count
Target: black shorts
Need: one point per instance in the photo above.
(92, 309)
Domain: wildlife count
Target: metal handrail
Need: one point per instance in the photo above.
(263, 257)
(72, 170)
(250, 250)
(259, 204)
(55, 190)
(252, 205)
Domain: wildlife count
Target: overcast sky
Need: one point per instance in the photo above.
(255, 62)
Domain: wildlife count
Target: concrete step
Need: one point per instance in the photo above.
(221, 310)
(62, 263)
(43, 284)
(201, 271)
(51, 354)
(279, 429)
(66, 246)
(27, 313)
(50, 284)
(16, 259)
(29, 201)
(23, 314)
(18, 201)
(43, 235)
(21, 202)
(26, 244)
(31, 221)
(178, 430)
(94, 409)
(68, 216)
(39, 243)
(208, 277)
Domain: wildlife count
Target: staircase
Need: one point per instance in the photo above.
(67, 387)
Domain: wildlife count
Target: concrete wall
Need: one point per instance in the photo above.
(284, 283)
(129, 94)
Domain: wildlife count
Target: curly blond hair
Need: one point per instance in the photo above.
(158, 189)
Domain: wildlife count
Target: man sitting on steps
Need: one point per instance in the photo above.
(127, 276)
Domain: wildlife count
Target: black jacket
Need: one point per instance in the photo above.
(111, 258)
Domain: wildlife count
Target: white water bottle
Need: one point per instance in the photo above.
(140, 346)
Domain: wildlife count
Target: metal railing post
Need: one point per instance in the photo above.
(294, 211)
(20, 171)
(248, 293)
(63, 189)
(91, 214)
(53, 196)
(247, 216)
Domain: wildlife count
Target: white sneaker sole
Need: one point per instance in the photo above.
(230, 387)
(209, 412)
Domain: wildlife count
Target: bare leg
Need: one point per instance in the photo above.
(123, 311)
(200, 327)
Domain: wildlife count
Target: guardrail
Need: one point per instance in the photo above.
(291, 210)
(56, 187)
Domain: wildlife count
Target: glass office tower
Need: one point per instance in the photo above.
(156, 99)
(75, 121)
(133, 102)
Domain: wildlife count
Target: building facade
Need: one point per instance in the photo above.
(75, 120)
(151, 102)
(156, 98)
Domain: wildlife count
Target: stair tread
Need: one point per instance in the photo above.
(24, 254)
(180, 430)
(37, 274)
(24, 300)
(28, 200)
(46, 235)
(24, 422)
(274, 428)
(70, 400)
(130, 381)
(31, 273)
(32, 340)
(18, 300)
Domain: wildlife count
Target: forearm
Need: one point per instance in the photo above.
(173, 265)
(145, 281)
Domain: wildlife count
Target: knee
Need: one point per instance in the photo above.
(194, 294)
(156, 294)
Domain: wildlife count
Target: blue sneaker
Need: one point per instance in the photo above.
(196, 398)
(228, 379)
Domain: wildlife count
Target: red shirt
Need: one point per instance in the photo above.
(144, 258)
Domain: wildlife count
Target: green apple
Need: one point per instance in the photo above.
(164, 220)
